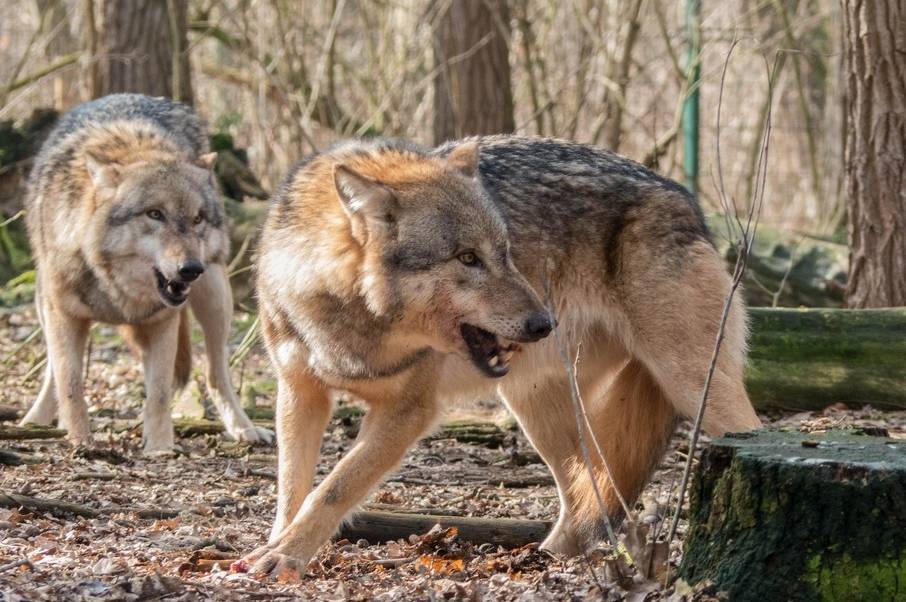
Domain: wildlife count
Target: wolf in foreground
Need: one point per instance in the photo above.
(126, 226)
(409, 277)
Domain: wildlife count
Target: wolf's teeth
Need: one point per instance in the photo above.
(493, 361)
(506, 355)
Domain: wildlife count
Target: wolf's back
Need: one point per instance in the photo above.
(178, 120)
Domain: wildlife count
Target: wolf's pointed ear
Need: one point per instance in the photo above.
(367, 202)
(104, 173)
(464, 159)
(206, 161)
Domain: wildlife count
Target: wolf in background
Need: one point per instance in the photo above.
(410, 277)
(126, 225)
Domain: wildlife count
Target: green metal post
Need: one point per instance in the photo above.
(690, 105)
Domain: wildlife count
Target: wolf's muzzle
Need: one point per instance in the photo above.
(537, 327)
(190, 270)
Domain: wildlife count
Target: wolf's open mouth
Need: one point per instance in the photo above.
(488, 353)
(173, 292)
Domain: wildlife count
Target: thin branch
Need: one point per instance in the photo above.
(594, 439)
(744, 244)
(577, 408)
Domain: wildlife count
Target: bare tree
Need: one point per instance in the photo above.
(472, 89)
(875, 150)
(55, 25)
(142, 47)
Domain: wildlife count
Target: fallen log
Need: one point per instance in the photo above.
(808, 359)
(781, 515)
(487, 434)
(9, 432)
(54, 507)
(787, 268)
(8, 413)
(379, 527)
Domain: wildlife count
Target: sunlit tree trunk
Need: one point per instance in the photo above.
(875, 150)
(472, 89)
(55, 24)
(142, 48)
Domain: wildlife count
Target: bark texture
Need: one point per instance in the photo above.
(874, 47)
(143, 48)
(800, 516)
(55, 23)
(472, 89)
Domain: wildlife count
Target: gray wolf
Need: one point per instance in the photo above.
(126, 227)
(410, 277)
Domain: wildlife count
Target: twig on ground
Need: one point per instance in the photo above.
(16, 564)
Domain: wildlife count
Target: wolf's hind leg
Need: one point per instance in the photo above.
(44, 410)
(631, 423)
(212, 306)
(66, 337)
(675, 322)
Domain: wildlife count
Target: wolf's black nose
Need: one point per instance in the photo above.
(538, 326)
(190, 270)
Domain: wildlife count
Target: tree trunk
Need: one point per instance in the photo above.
(472, 90)
(55, 23)
(143, 48)
(799, 516)
(875, 150)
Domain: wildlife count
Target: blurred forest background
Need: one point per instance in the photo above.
(278, 79)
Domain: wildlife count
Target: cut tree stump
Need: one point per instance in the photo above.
(785, 515)
(379, 527)
(808, 359)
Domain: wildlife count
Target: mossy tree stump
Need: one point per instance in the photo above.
(783, 515)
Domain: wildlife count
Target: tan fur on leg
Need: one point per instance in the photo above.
(44, 409)
(633, 423)
(389, 428)
(212, 305)
(66, 337)
(674, 319)
(182, 371)
(158, 343)
(303, 409)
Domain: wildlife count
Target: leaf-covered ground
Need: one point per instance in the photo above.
(166, 528)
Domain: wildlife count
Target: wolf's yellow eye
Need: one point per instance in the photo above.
(470, 259)
(156, 214)
(197, 219)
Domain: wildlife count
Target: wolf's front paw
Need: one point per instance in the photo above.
(269, 562)
(163, 452)
(159, 444)
(253, 435)
(79, 438)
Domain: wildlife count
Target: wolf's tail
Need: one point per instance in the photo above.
(182, 370)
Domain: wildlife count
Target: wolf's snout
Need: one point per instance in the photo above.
(538, 326)
(190, 270)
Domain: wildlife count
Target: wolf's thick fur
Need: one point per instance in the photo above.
(124, 222)
(386, 270)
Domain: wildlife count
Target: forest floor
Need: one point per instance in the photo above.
(225, 494)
